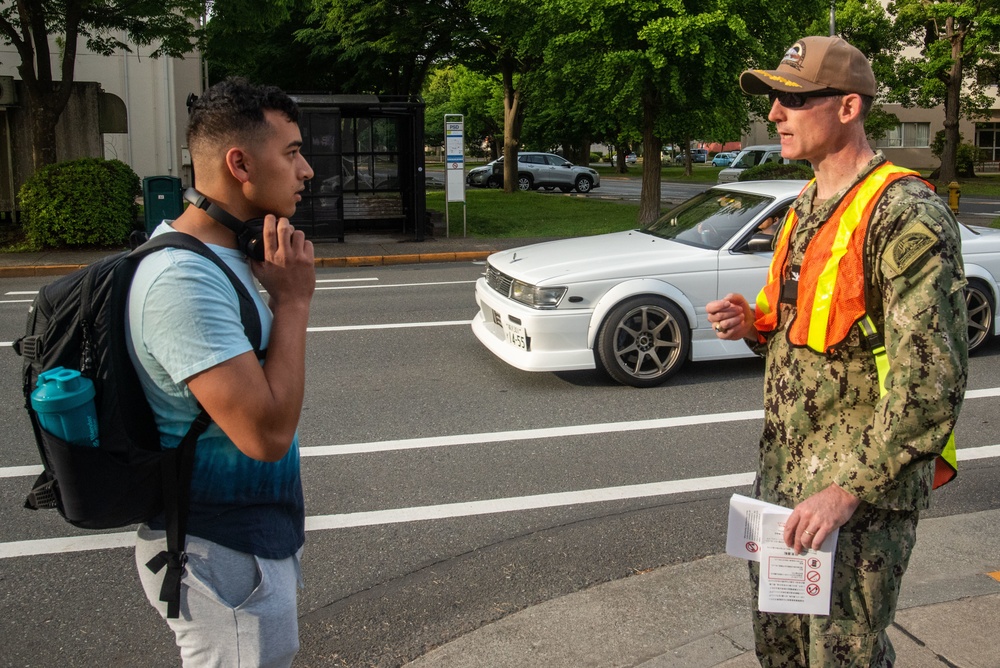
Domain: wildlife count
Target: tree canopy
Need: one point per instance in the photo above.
(173, 25)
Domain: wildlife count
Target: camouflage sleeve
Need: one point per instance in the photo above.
(917, 276)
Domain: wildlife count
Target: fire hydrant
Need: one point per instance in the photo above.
(954, 194)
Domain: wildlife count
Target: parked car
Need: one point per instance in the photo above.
(633, 303)
(538, 170)
(485, 176)
(723, 158)
(752, 156)
(697, 155)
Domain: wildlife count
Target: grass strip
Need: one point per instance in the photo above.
(492, 213)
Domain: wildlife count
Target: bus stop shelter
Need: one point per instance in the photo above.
(367, 152)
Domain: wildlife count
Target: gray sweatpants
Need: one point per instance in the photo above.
(236, 611)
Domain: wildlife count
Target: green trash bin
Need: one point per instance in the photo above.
(162, 200)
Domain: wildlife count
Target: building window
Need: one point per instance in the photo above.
(988, 141)
(907, 135)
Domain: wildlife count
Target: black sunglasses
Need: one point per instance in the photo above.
(796, 100)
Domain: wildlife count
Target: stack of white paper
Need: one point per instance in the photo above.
(789, 582)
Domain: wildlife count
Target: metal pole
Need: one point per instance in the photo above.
(833, 18)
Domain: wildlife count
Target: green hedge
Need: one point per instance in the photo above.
(85, 202)
(770, 171)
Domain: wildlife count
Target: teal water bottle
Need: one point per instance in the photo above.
(64, 402)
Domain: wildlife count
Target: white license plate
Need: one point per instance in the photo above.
(515, 335)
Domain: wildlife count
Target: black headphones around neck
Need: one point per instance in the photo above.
(249, 233)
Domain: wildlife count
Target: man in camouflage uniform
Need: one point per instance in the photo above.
(833, 449)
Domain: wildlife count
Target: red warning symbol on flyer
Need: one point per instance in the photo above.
(813, 590)
(454, 165)
(813, 576)
(813, 562)
(752, 547)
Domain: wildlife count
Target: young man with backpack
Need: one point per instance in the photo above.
(245, 523)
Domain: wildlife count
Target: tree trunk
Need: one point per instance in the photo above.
(511, 128)
(649, 196)
(953, 88)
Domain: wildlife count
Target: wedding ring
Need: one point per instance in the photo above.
(808, 532)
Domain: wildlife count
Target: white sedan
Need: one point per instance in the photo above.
(633, 303)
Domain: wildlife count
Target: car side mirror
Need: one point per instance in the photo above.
(760, 243)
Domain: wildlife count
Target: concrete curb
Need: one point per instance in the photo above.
(28, 271)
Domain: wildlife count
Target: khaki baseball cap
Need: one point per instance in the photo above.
(815, 63)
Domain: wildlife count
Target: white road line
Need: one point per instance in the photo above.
(16, 301)
(398, 325)
(28, 548)
(345, 280)
(526, 434)
(19, 471)
(392, 285)
(22, 292)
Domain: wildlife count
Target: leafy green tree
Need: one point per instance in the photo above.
(27, 25)
(959, 47)
(454, 89)
(672, 68)
(505, 39)
(278, 56)
(387, 46)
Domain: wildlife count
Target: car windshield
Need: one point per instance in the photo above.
(710, 219)
(748, 159)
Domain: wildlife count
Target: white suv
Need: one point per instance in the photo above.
(548, 170)
(751, 156)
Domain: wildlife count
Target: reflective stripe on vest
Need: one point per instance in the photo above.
(828, 305)
(945, 464)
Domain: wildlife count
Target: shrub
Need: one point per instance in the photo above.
(770, 171)
(85, 202)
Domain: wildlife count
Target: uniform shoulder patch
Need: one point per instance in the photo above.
(909, 246)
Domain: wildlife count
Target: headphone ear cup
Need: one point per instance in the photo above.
(252, 239)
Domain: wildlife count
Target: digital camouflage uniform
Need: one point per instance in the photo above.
(825, 422)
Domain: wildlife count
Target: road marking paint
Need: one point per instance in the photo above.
(345, 280)
(22, 292)
(399, 325)
(27, 548)
(392, 285)
(521, 503)
(526, 434)
(20, 471)
(16, 301)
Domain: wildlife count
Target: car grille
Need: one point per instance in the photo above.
(499, 281)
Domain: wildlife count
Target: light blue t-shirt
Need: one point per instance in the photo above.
(184, 318)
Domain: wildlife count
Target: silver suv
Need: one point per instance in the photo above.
(550, 171)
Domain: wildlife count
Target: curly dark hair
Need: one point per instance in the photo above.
(233, 109)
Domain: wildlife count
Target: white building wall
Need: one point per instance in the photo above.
(154, 92)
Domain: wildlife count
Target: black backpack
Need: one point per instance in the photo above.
(78, 322)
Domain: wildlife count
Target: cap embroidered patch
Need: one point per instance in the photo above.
(795, 55)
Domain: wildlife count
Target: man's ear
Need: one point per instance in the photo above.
(236, 160)
(850, 107)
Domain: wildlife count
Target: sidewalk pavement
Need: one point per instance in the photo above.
(690, 615)
(358, 250)
(697, 614)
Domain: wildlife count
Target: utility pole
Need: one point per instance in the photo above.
(833, 18)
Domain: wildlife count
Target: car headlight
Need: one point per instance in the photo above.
(534, 296)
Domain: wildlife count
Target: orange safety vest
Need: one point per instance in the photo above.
(831, 281)
(830, 294)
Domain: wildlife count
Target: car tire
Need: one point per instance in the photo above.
(492, 182)
(524, 182)
(643, 341)
(584, 184)
(979, 302)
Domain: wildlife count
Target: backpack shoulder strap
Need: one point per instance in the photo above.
(248, 308)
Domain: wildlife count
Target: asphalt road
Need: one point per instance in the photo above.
(444, 489)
